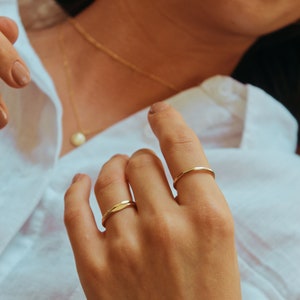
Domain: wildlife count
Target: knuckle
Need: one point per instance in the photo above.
(92, 271)
(124, 252)
(165, 233)
(141, 159)
(180, 139)
(111, 173)
(96, 271)
(68, 193)
(106, 180)
(216, 221)
(71, 215)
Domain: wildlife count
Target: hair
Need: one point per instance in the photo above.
(273, 64)
(74, 7)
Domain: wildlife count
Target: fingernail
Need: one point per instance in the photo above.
(77, 177)
(119, 156)
(3, 117)
(158, 106)
(20, 74)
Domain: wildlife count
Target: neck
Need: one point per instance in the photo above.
(184, 51)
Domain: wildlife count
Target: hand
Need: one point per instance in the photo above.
(165, 248)
(13, 70)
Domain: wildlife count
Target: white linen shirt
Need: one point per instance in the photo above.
(249, 138)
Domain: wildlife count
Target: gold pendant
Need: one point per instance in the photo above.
(77, 139)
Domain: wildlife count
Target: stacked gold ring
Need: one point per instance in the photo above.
(116, 208)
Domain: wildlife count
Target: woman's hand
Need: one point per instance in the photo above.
(165, 247)
(13, 70)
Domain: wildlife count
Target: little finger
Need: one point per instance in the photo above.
(79, 219)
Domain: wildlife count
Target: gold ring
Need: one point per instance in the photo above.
(117, 207)
(195, 169)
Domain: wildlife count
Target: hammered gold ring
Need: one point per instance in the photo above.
(116, 208)
(195, 169)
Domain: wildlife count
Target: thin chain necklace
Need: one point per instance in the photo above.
(78, 138)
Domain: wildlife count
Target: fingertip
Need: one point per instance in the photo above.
(78, 216)
(14, 70)
(77, 199)
(163, 115)
(9, 28)
(158, 107)
(77, 177)
(3, 118)
(20, 73)
(3, 114)
(80, 185)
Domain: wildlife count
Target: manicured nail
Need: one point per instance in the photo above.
(3, 117)
(20, 74)
(77, 177)
(118, 155)
(158, 106)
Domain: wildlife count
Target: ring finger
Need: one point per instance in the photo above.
(111, 188)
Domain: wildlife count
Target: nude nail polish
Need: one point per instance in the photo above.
(158, 106)
(20, 73)
(77, 177)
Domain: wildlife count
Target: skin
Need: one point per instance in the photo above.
(195, 41)
(167, 248)
(8, 58)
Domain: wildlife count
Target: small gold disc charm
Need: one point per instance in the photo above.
(77, 139)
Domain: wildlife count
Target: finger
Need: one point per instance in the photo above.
(12, 68)
(9, 28)
(112, 188)
(3, 114)
(79, 219)
(182, 151)
(148, 182)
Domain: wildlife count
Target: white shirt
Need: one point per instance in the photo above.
(250, 140)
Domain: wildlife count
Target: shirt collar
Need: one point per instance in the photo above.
(225, 113)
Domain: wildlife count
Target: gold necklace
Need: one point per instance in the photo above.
(91, 40)
(78, 138)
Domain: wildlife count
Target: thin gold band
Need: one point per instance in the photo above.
(117, 207)
(195, 169)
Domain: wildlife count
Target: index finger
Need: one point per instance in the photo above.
(12, 68)
(182, 151)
